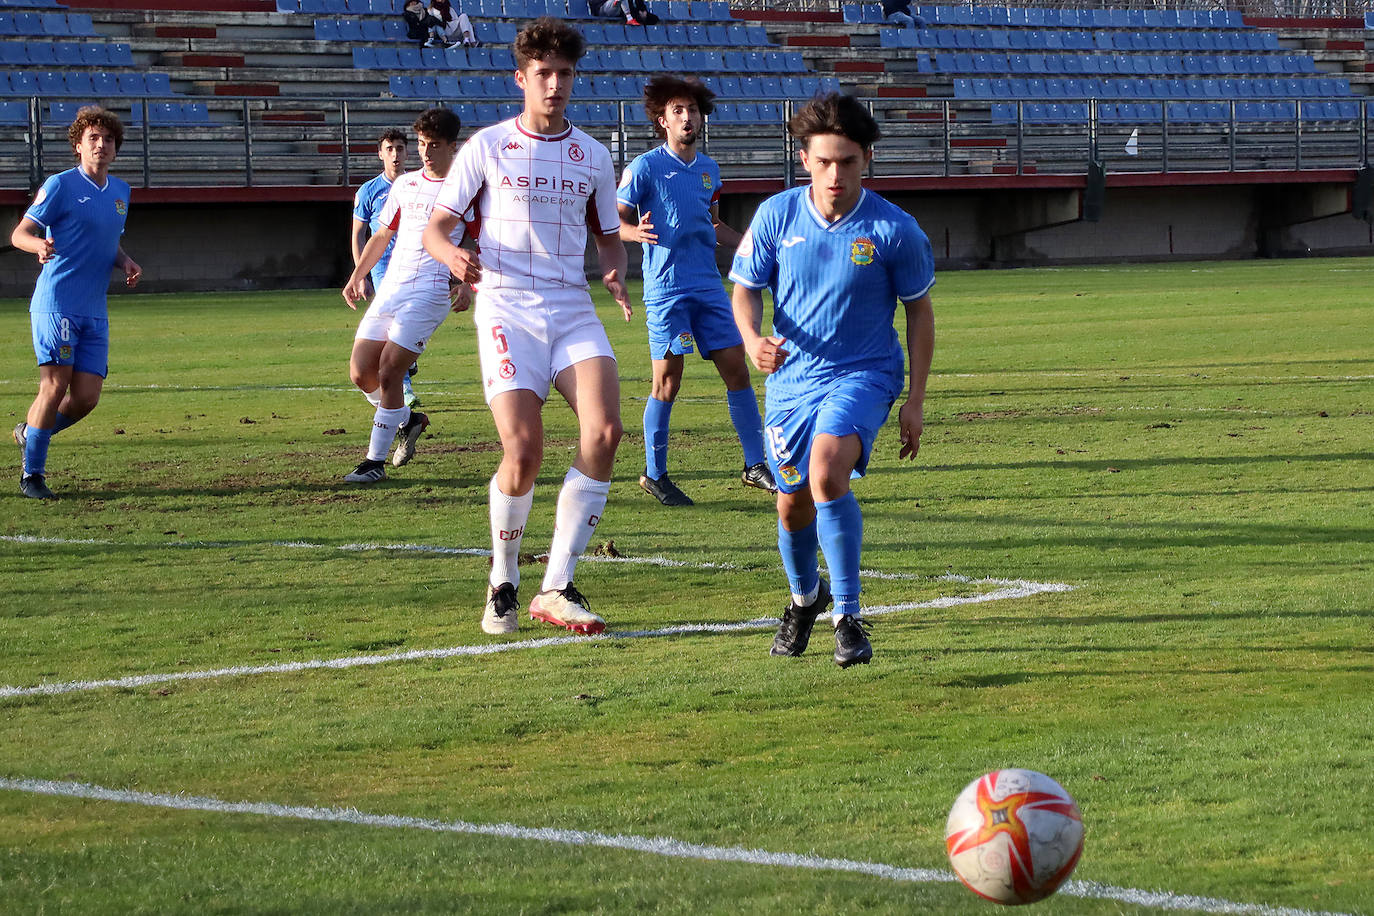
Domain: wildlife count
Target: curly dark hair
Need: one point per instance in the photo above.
(548, 37)
(439, 123)
(95, 116)
(835, 113)
(392, 135)
(665, 87)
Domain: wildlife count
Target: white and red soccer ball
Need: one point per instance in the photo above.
(1014, 836)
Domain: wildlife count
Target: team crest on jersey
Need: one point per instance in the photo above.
(64, 352)
(861, 252)
(706, 181)
(790, 475)
(685, 340)
(575, 152)
(506, 370)
(121, 207)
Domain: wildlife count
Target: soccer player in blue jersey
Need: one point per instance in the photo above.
(73, 227)
(367, 219)
(837, 258)
(669, 202)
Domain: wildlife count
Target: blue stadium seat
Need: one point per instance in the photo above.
(79, 83)
(23, 82)
(447, 86)
(14, 114)
(12, 54)
(402, 87)
(40, 53)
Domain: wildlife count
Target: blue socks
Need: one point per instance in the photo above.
(840, 524)
(656, 414)
(744, 413)
(36, 450)
(62, 423)
(799, 560)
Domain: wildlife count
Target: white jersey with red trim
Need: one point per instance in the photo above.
(534, 197)
(406, 212)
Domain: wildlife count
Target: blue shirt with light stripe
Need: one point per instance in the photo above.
(367, 208)
(678, 197)
(85, 222)
(835, 285)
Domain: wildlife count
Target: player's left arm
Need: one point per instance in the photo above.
(726, 235)
(610, 252)
(355, 290)
(920, 348)
(132, 272)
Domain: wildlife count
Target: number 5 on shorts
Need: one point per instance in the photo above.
(496, 335)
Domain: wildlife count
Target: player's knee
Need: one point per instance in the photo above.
(81, 403)
(666, 389)
(604, 438)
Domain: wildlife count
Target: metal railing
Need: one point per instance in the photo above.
(252, 142)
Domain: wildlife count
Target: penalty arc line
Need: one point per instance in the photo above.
(659, 846)
(1015, 590)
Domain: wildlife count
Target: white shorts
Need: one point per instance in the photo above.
(406, 319)
(526, 338)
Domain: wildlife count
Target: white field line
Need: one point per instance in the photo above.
(1009, 590)
(453, 551)
(659, 846)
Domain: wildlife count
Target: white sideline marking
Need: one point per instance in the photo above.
(1009, 590)
(659, 845)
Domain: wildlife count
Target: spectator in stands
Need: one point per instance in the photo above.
(422, 26)
(634, 12)
(457, 26)
(900, 13)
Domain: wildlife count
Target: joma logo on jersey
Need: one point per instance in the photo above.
(545, 183)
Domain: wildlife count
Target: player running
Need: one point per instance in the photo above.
(537, 184)
(837, 258)
(412, 300)
(367, 219)
(74, 226)
(669, 201)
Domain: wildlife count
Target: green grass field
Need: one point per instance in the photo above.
(1188, 446)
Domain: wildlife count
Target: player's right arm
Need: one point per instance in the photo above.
(31, 237)
(357, 238)
(766, 353)
(636, 226)
(356, 289)
(463, 264)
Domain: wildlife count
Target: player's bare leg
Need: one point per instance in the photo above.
(592, 389)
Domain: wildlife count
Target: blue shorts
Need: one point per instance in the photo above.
(72, 340)
(851, 405)
(690, 320)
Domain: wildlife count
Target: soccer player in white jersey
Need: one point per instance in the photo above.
(411, 302)
(837, 258)
(74, 227)
(537, 184)
(669, 202)
(367, 219)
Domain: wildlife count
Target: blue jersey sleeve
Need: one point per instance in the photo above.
(756, 259)
(50, 203)
(913, 269)
(634, 184)
(360, 206)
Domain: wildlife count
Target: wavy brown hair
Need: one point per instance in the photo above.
(665, 87)
(835, 113)
(548, 37)
(95, 116)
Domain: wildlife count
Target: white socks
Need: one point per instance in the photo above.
(508, 516)
(384, 425)
(580, 504)
(374, 397)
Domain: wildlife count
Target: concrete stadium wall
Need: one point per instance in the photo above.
(305, 245)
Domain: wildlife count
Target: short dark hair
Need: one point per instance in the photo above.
(665, 87)
(442, 123)
(835, 113)
(392, 135)
(548, 37)
(89, 116)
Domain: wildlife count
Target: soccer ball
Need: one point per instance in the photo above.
(1014, 836)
